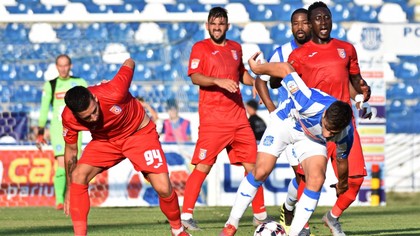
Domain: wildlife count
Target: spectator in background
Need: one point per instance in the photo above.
(175, 128)
(257, 123)
(53, 96)
(149, 109)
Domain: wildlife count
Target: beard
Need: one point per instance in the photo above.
(218, 40)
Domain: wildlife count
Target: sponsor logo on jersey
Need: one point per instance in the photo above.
(203, 153)
(234, 54)
(341, 53)
(312, 54)
(195, 63)
(292, 87)
(268, 140)
(215, 52)
(115, 109)
(60, 95)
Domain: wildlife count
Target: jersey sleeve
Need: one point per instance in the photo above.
(119, 86)
(45, 104)
(297, 91)
(294, 60)
(196, 59)
(354, 62)
(70, 135)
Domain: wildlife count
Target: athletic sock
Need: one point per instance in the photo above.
(79, 207)
(59, 185)
(292, 192)
(170, 208)
(192, 190)
(304, 210)
(245, 194)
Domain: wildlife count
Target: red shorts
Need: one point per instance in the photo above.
(356, 160)
(238, 140)
(143, 149)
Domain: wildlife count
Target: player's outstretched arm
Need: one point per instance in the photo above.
(262, 89)
(274, 69)
(129, 62)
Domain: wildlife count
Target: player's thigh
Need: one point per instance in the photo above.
(57, 140)
(211, 141)
(144, 151)
(101, 154)
(356, 159)
(277, 136)
(243, 148)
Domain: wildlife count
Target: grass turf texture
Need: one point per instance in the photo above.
(401, 216)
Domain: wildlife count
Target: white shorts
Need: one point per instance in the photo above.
(290, 154)
(281, 133)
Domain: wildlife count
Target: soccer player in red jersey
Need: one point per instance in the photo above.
(330, 64)
(216, 66)
(120, 129)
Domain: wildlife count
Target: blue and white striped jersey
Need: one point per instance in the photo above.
(306, 106)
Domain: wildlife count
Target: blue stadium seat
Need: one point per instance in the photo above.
(46, 9)
(341, 12)
(143, 73)
(261, 12)
(234, 33)
(30, 72)
(68, 31)
(366, 13)
(120, 32)
(125, 8)
(96, 31)
(16, 33)
(94, 8)
(338, 32)
(18, 9)
(281, 33)
(7, 71)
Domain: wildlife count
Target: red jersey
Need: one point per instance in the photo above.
(217, 105)
(327, 66)
(120, 113)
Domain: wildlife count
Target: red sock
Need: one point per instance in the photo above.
(258, 205)
(301, 187)
(79, 207)
(170, 208)
(347, 198)
(192, 190)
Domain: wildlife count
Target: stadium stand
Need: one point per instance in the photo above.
(162, 48)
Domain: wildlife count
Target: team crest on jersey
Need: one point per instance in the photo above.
(195, 63)
(115, 109)
(341, 52)
(268, 140)
(203, 153)
(234, 54)
(292, 87)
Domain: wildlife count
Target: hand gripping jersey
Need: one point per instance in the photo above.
(120, 113)
(306, 106)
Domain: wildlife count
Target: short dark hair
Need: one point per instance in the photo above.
(78, 99)
(63, 55)
(297, 11)
(338, 115)
(316, 5)
(217, 12)
(252, 103)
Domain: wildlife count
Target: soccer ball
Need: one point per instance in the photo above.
(271, 228)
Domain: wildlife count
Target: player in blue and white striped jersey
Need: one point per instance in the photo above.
(307, 119)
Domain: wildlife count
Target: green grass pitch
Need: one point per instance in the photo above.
(401, 216)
